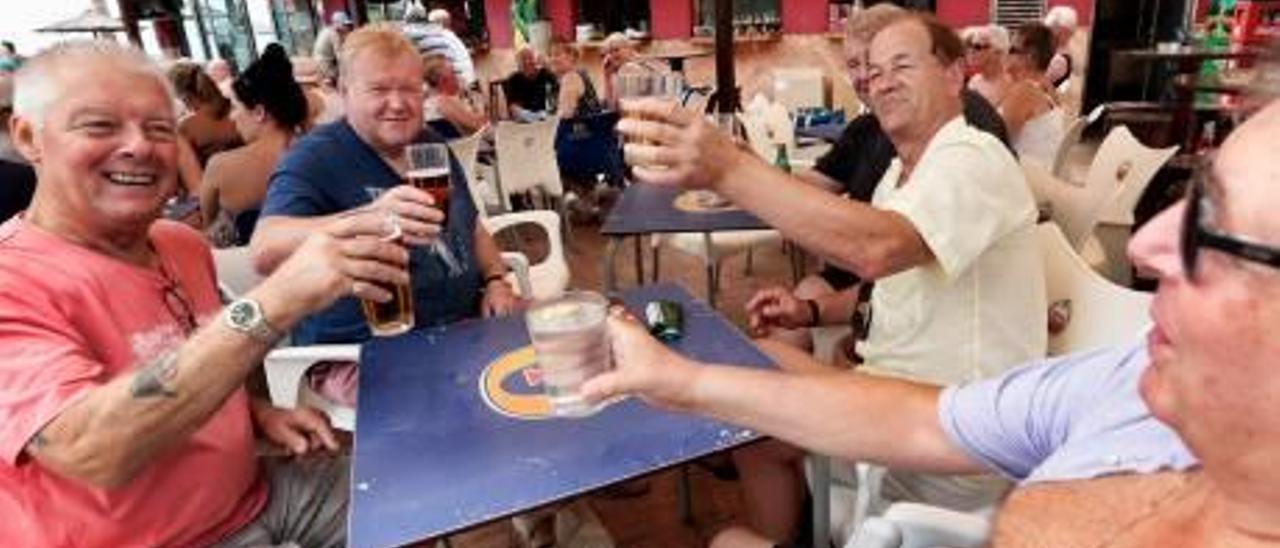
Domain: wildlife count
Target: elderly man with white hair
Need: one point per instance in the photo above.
(125, 419)
(986, 50)
(1063, 21)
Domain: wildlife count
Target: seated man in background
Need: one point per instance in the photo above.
(948, 238)
(359, 162)
(530, 88)
(446, 101)
(1170, 440)
(124, 415)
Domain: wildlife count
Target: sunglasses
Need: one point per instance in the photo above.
(979, 46)
(1197, 235)
(178, 304)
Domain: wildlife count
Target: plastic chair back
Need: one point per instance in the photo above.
(550, 277)
(236, 274)
(1071, 138)
(527, 158)
(286, 370)
(797, 88)
(1123, 168)
(1086, 310)
(467, 150)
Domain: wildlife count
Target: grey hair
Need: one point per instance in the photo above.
(1062, 17)
(37, 84)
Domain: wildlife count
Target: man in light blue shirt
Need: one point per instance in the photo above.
(1168, 441)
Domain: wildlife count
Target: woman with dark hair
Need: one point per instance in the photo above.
(268, 108)
(1031, 109)
(205, 124)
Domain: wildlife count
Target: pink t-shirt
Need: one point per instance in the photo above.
(72, 319)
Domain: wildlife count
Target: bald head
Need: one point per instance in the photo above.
(1251, 188)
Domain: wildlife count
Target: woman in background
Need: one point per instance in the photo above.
(269, 109)
(205, 124)
(578, 95)
(1031, 109)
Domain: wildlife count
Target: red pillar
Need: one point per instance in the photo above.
(562, 13)
(671, 19)
(498, 13)
(804, 16)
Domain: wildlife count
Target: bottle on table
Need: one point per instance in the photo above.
(780, 160)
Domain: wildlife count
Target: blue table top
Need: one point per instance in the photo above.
(432, 456)
(646, 209)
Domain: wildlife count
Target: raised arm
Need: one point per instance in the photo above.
(107, 436)
(869, 242)
(849, 415)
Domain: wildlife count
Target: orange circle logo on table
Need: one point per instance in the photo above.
(511, 385)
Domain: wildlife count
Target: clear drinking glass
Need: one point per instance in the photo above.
(429, 171)
(396, 315)
(572, 344)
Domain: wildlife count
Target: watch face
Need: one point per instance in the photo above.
(241, 313)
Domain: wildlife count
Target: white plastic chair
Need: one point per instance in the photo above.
(527, 163)
(1097, 312)
(479, 183)
(548, 278)
(236, 275)
(286, 370)
(1074, 209)
(1126, 166)
(796, 88)
(712, 248)
(911, 525)
(1071, 138)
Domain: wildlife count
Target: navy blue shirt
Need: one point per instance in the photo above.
(331, 170)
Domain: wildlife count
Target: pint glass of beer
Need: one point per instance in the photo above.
(429, 171)
(572, 345)
(396, 315)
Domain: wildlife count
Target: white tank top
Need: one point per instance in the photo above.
(1040, 136)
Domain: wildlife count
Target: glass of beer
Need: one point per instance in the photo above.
(396, 315)
(572, 344)
(429, 171)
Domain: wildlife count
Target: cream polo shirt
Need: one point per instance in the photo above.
(979, 307)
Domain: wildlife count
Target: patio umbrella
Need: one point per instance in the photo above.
(725, 98)
(91, 21)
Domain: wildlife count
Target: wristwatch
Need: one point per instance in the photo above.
(245, 315)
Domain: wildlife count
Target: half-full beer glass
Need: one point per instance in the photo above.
(572, 345)
(429, 171)
(396, 315)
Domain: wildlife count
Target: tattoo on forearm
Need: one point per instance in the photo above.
(153, 378)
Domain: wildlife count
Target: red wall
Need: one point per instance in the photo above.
(673, 19)
(562, 14)
(498, 13)
(804, 16)
(670, 19)
(962, 13)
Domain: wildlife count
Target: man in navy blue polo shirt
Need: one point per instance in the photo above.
(358, 162)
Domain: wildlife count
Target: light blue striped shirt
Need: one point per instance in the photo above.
(1065, 418)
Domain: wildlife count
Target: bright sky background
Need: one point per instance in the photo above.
(19, 18)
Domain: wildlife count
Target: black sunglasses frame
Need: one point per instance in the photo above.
(1197, 236)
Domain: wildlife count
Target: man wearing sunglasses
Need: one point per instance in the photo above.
(1170, 440)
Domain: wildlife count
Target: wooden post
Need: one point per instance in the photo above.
(725, 98)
